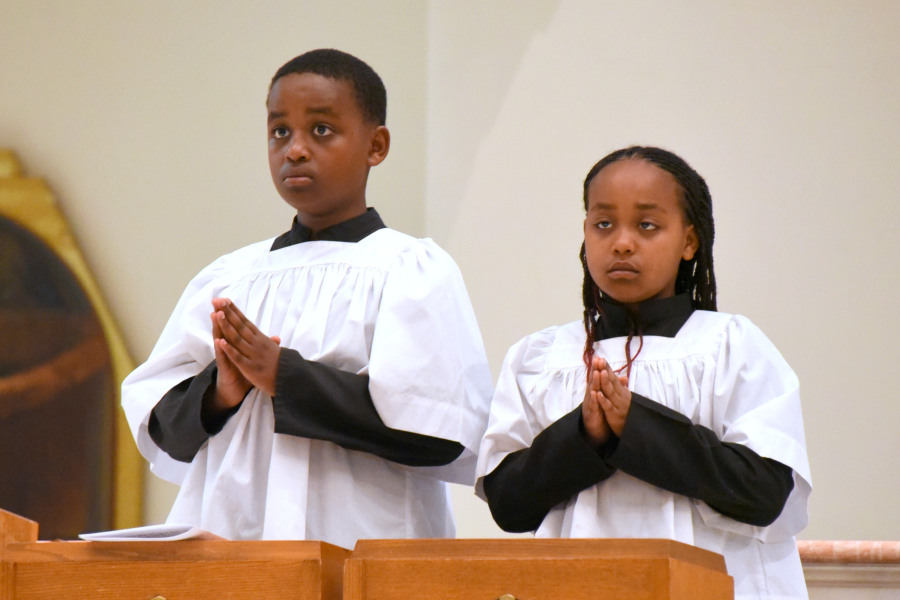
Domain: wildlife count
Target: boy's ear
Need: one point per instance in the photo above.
(691, 243)
(381, 144)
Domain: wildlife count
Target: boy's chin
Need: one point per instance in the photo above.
(304, 203)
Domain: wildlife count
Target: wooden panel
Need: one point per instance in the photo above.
(144, 580)
(523, 578)
(691, 581)
(194, 570)
(14, 528)
(354, 580)
(534, 570)
(7, 581)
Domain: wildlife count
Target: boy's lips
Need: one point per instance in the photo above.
(297, 178)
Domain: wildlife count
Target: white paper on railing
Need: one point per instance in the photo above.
(152, 533)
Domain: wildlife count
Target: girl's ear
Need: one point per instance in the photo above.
(381, 144)
(691, 243)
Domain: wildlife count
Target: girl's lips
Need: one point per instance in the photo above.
(622, 270)
(622, 274)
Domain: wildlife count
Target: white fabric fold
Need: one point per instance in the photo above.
(389, 306)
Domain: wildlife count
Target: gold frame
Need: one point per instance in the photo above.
(29, 203)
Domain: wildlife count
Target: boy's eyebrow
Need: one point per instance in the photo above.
(315, 110)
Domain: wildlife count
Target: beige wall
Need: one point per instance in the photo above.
(147, 120)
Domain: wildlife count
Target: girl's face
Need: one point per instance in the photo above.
(635, 234)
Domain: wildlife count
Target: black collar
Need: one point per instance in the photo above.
(662, 317)
(351, 230)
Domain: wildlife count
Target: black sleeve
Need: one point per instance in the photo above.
(559, 464)
(176, 424)
(664, 448)
(319, 402)
(311, 400)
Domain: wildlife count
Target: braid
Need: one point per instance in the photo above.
(590, 295)
(696, 276)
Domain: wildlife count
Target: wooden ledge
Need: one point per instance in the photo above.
(571, 548)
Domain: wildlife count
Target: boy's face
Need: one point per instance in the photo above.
(321, 148)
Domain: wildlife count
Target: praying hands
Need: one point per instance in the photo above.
(245, 357)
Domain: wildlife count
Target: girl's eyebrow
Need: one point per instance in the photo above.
(641, 206)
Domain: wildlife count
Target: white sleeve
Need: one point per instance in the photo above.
(183, 350)
(519, 406)
(759, 396)
(428, 372)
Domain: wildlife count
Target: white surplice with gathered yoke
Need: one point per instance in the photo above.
(389, 306)
(721, 372)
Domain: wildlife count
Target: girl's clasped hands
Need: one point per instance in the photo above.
(606, 402)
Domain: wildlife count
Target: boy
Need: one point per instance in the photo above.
(373, 386)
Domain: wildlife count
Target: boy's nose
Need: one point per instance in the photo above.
(297, 151)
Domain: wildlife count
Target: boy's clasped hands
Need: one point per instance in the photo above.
(606, 402)
(245, 356)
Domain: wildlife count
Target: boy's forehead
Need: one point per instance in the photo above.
(311, 92)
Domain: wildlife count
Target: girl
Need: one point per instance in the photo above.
(656, 416)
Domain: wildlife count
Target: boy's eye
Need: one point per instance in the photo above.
(279, 132)
(322, 129)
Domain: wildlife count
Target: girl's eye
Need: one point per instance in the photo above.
(279, 132)
(322, 130)
(604, 224)
(648, 226)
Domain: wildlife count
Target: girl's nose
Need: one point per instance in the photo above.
(623, 243)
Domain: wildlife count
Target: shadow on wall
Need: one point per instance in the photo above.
(481, 72)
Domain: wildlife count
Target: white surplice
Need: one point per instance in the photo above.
(390, 306)
(721, 372)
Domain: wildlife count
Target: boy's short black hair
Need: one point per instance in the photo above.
(334, 64)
